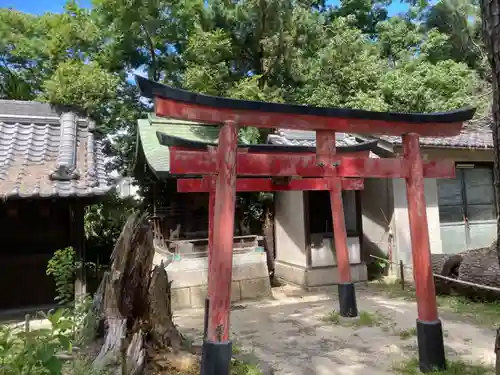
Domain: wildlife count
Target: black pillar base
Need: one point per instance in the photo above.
(347, 300)
(216, 357)
(430, 346)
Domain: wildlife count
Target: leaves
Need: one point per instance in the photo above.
(298, 51)
(62, 268)
(82, 85)
(37, 352)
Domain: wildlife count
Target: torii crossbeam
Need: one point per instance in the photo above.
(321, 168)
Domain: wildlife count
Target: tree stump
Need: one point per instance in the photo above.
(134, 302)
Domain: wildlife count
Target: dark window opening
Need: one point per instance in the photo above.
(320, 214)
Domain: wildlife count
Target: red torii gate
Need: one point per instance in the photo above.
(323, 168)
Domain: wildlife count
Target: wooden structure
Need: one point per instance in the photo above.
(228, 161)
(51, 167)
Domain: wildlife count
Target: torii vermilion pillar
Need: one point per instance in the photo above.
(229, 163)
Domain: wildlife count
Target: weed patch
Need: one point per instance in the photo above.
(365, 319)
(454, 368)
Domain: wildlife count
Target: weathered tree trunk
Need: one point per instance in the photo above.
(477, 266)
(133, 300)
(438, 261)
(490, 14)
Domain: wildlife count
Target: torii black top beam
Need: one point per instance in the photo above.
(182, 104)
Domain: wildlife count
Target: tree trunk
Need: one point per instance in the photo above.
(490, 14)
(477, 266)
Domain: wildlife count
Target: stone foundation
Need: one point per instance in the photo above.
(319, 276)
(189, 279)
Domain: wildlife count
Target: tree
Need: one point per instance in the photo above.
(490, 13)
(298, 51)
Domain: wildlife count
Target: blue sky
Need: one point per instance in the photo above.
(41, 6)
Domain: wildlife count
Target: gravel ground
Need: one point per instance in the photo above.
(299, 334)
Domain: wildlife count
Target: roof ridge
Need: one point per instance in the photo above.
(66, 157)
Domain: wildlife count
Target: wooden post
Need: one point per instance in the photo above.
(78, 241)
(429, 328)
(217, 348)
(326, 150)
(27, 319)
(402, 273)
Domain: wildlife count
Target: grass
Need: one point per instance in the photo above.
(407, 333)
(241, 368)
(454, 368)
(238, 367)
(365, 319)
(482, 313)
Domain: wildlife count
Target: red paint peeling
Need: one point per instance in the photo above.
(221, 262)
(210, 115)
(196, 162)
(326, 154)
(198, 185)
(211, 213)
(419, 232)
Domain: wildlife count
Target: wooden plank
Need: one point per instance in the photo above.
(200, 185)
(196, 162)
(211, 115)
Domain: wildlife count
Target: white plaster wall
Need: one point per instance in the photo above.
(289, 228)
(377, 216)
(322, 253)
(402, 249)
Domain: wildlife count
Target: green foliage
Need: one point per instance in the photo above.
(37, 352)
(62, 268)
(298, 51)
(84, 85)
(104, 221)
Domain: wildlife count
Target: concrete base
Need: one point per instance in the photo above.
(308, 277)
(189, 278)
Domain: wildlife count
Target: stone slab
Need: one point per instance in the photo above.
(308, 277)
(255, 288)
(194, 272)
(194, 296)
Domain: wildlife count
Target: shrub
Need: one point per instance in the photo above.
(62, 268)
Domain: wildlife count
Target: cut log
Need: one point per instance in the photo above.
(438, 261)
(479, 266)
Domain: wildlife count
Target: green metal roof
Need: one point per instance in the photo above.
(157, 156)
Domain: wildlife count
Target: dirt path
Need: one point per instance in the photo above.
(290, 333)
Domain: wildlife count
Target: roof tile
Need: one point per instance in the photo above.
(476, 134)
(43, 156)
(305, 138)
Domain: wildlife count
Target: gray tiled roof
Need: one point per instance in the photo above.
(305, 138)
(476, 134)
(46, 153)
